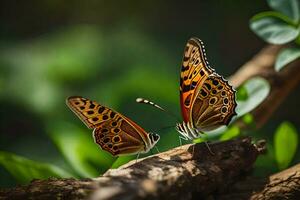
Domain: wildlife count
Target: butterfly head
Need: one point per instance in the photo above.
(153, 139)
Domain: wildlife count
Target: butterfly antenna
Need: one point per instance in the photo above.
(146, 101)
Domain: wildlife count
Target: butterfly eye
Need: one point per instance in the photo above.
(156, 137)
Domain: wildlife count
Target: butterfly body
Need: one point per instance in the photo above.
(206, 98)
(113, 132)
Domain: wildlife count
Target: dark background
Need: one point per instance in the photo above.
(111, 52)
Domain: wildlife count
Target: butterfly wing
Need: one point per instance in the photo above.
(214, 104)
(207, 100)
(113, 132)
(194, 71)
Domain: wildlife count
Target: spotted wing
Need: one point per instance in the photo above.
(113, 132)
(194, 71)
(214, 104)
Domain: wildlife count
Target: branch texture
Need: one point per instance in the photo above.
(179, 173)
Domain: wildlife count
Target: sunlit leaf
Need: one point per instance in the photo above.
(24, 170)
(273, 29)
(286, 56)
(289, 8)
(285, 144)
(230, 133)
(257, 89)
(79, 149)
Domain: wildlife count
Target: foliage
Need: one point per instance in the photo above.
(257, 89)
(24, 170)
(285, 143)
(280, 26)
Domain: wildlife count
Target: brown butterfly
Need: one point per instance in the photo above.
(113, 132)
(207, 100)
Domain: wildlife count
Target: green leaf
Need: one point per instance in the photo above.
(285, 143)
(24, 170)
(232, 132)
(286, 56)
(241, 94)
(79, 149)
(273, 28)
(257, 90)
(289, 8)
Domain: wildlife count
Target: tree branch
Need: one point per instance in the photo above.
(282, 83)
(176, 174)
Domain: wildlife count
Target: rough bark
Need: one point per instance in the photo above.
(179, 173)
(182, 174)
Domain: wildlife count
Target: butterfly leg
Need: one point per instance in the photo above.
(157, 149)
(137, 157)
(206, 143)
(180, 139)
(209, 149)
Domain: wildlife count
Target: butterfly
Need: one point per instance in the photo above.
(207, 100)
(113, 132)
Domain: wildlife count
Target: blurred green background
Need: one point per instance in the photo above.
(111, 52)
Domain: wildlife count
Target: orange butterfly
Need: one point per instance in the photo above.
(113, 132)
(206, 98)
